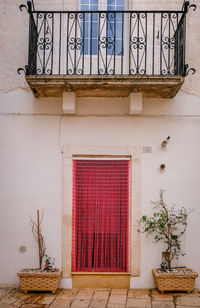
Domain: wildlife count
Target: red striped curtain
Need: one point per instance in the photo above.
(100, 215)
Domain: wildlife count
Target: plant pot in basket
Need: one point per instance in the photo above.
(44, 278)
(168, 225)
(177, 279)
(37, 280)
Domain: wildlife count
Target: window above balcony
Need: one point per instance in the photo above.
(106, 50)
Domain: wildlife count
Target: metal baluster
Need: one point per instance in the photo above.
(161, 45)
(36, 49)
(29, 70)
(33, 6)
(91, 19)
(184, 39)
(83, 44)
(129, 65)
(44, 44)
(169, 15)
(115, 16)
(67, 47)
(178, 42)
(153, 53)
(145, 69)
(176, 37)
(122, 52)
(52, 43)
(106, 62)
(98, 51)
(75, 43)
(33, 44)
(59, 43)
(138, 40)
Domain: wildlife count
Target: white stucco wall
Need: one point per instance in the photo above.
(34, 131)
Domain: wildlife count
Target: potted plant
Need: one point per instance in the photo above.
(44, 278)
(168, 225)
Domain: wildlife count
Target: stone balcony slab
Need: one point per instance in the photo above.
(105, 85)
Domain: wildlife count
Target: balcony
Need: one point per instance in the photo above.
(106, 53)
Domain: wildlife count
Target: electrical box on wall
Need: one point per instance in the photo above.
(147, 149)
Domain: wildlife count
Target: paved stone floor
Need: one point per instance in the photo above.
(102, 298)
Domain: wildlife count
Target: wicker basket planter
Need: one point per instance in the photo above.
(36, 280)
(181, 280)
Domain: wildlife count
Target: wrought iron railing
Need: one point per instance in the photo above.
(107, 42)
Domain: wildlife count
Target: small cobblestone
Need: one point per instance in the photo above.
(101, 294)
(61, 303)
(164, 304)
(138, 293)
(189, 300)
(80, 303)
(117, 299)
(67, 294)
(157, 296)
(138, 303)
(98, 303)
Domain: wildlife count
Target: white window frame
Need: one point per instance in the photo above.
(102, 6)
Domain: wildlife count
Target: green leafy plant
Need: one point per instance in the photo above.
(167, 225)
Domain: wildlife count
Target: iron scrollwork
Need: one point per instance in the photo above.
(24, 70)
(192, 6)
(188, 70)
(23, 6)
(107, 43)
(21, 69)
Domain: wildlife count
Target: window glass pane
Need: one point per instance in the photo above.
(87, 17)
(118, 47)
(84, 2)
(94, 17)
(94, 30)
(84, 7)
(115, 5)
(94, 46)
(111, 2)
(115, 26)
(86, 46)
(89, 5)
(90, 27)
(94, 2)
(119, 18)
(120, 2)
(93, 8)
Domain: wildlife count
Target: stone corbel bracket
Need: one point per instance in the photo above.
(135, 101)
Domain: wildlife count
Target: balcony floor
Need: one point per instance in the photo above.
(105, 85)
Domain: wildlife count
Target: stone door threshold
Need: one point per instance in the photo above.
(101, 280)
